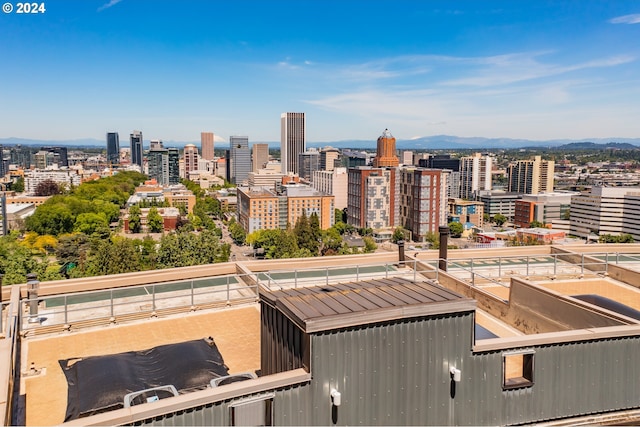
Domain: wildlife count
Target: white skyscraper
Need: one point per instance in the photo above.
(293, 140)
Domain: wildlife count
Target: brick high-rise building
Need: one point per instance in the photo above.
(386, 151)
(422, 200)
(206, 145)
(370, 197)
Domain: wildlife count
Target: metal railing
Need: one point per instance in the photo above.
(530, 266)
(297, 278)
(616, 257)
(141, 300)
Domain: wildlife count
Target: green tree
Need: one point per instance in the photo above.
(398, 234)
(51, 219)
(186, 249)
(499, 219)
(536, 224)
(89, 223)
(155, 223)
(135, 222)
(316, 232)
(305, 238)
(276, 243)
(456, 229)
(115, 256)
(73, 250)
(369, 244)
(331, 242)
(237, 233)
(18, 185)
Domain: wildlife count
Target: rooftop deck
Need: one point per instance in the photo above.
(170, 307)
(236, 331)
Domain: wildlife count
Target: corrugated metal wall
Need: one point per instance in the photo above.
(289, 405)
(390, 374)
(398, 374)
(569, 380)
(283, 345)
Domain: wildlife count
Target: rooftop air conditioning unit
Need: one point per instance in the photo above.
(149, 395)
(228, 379)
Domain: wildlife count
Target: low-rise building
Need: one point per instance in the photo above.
(543, 208)
(169, 218)
(67, 178)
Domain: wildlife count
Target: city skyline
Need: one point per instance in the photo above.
(565, 70)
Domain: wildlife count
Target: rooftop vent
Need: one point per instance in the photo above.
(149, 395)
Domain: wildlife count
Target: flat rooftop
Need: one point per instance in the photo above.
(236, 331)
(501, 285)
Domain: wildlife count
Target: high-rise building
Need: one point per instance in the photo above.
(137, 151)
(60, 156)
(386, 151)
(113, 148)
(259, 156)
(329, 158)
(308, 163)
(190, 159)
(239, 159)
(293, 140)
(21, 156)
(44, 159)
(158, 164)
(332, 182)
(206, 145)
(475, 175)
(531, 176)
(371, 197)
(155, 144)
(422, 200)
(440, 161)
(164, 164)
(407, 158)
(174, 166)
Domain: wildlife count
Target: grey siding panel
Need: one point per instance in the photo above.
(290, 407)
(392, 373)
(283, 345)
(570, 380)
(398, 374)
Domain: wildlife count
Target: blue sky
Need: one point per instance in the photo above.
(518, 69)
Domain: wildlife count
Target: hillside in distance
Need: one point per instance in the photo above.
(436, 142)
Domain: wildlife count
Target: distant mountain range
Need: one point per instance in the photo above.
(436, 142)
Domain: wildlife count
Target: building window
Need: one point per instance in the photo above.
(517, 369)
(257, 411)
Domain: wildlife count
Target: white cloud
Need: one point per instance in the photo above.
(513, 68)
(108, 5)
(626, 19)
